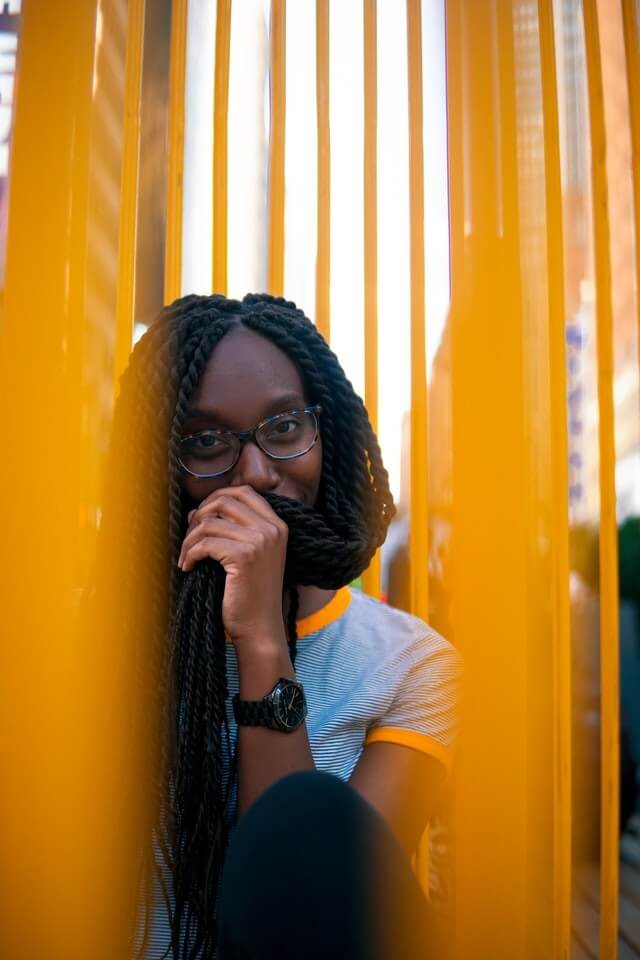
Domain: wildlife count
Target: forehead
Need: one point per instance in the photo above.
(244, 376)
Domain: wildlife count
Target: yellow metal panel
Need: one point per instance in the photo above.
(371, 576)
(609, 632)
(489, 543)
(129, 186)
(559, 498)
(67, 874)
(276, 147)
(419, 531)
(323, 262)
(175, 172)
(220, 155)
(631, 20)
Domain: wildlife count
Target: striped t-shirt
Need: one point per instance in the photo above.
(370, 674)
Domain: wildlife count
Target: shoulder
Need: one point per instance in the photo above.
(389, 632)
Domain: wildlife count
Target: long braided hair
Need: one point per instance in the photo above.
(183, 665)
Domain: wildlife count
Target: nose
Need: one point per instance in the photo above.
(255, 468)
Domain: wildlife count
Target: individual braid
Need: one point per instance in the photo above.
(292, 616)
(199, 714)
(329, 545)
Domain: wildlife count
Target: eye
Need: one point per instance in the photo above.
(283, 431)
(286, 426)
(202, 441)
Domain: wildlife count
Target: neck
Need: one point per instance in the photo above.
(311, 600)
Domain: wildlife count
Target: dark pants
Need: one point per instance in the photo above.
(313, 871)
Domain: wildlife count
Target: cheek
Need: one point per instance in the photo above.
(195, 491)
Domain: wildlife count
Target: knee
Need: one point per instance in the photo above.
(310, 820)
(306, 793)
(310, 804)
(297, 852)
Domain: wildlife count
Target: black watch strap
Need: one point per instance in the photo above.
(283, 708)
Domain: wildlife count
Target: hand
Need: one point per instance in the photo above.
(238, 528)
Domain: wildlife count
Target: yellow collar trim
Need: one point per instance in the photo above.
(325, 615)
(331, 611)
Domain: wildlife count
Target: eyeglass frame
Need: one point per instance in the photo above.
(245, 435)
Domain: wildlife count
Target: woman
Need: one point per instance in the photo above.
(275, 673)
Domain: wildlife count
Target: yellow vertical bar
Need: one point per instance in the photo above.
(276, 148)
(323, 262)
(64, 833)
(220, 145)
(175, 172)
(559, 494)
(419, 533)
(609, 633)
(630, 14)
(489, 546)
(371, 576)
(129, 186)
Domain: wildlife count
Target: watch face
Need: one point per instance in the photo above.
(289, 705)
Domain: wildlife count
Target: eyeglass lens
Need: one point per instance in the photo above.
(286, 436)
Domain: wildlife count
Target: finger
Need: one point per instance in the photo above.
(248, 511)
(249, 497)
(215, 527)
(217, 548)
(193, 519)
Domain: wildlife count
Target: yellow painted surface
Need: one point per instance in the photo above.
(67, 879)
(323, 260)
(562, 800)
(478, 389)
(175, 172)
(499, 537)
(220, 145)
(129, 187)
(631, 21)
(609, 628)
(371, 580)
(419, 529)
(276, 148)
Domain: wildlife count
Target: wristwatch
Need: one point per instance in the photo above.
(283, 708)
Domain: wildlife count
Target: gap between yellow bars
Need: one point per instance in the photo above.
(419, 534)
(128, 228)
(175, 165)
(371, 580)
(220, 145)
(609, 633)
(276, 147)
(323, 261)
(560, 498)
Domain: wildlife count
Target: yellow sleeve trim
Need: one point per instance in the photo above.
(416, 741)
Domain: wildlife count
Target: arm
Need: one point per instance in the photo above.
(404, 785)
(238, 528)
(404, 768)
(264, 755)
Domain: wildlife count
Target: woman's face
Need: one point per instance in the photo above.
(247, 379)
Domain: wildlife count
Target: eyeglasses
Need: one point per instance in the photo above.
(285, 436)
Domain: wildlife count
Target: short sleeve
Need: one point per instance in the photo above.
(424, 711)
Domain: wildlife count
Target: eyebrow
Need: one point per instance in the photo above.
(277, 405)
